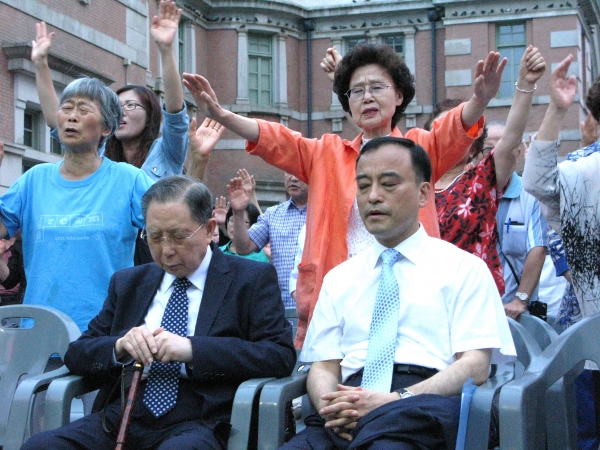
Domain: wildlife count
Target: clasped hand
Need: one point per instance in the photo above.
(145, 346)
(349, 404)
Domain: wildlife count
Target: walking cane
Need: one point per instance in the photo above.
(131, 394)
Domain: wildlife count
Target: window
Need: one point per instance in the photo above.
(260, 70)
(396, 42)
(31, 129)
(511, 43)
(353, 42)
(55, 147)
(181, 45)
(27, 164)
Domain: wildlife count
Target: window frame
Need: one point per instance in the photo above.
(513, 51)
(255, 95)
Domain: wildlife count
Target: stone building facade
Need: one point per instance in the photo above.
(262, 59)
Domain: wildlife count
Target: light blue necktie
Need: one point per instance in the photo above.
(379, 365)
(163, 380)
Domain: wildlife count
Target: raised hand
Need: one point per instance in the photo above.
(488, 75)
(532, 66)
(205, 97)
(238, 196)
(562, 89)
(248, 182)
(220, 211)
(204, 138)
(43, 41)
(164, 26)
(330, 62)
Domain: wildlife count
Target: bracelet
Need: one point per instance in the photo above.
(523, 90)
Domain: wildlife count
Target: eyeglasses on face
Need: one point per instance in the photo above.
(375, 89)
(130, 106)
(176, 239)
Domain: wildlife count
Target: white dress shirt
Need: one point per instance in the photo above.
(449, 303)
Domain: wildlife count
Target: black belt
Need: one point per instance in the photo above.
(416, 370)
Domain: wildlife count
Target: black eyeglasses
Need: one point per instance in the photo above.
(130, 106)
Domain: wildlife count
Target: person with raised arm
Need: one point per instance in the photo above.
(78, 217)
(468, 195)
(375, 86)
(138, 140)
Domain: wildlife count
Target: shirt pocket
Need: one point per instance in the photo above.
(514, 241)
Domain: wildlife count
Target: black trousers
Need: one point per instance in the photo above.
(179, 429)
(421, 422)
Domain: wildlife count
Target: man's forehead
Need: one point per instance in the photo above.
(387, 158)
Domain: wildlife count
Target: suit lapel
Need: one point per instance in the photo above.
(218, 280)
(145, 293)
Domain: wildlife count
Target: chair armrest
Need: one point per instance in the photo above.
(480, 412)
(17, 431)
(60, 396)
(273, 400)
(242, 412)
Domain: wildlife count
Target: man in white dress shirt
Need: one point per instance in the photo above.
(450, 320)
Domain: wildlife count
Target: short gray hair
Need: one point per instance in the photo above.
(107, 100)
(181, 188)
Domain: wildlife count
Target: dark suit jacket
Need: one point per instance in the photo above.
(241, 332)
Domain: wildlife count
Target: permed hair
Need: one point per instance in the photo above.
(384, 56)
(95, 90)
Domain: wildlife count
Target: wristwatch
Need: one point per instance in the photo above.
(523, 296)
(404, 393)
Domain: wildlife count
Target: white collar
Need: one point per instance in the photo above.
(197, 278)
(411, 248)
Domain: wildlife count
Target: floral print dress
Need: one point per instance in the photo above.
(466, 212)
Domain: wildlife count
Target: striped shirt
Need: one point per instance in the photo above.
(280, 225)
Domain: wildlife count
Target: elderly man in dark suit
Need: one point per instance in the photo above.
(201, 323)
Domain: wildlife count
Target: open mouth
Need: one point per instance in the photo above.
(70, 130)
(369, 112)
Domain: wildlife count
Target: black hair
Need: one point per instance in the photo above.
(419, 158)
(181, 187)
(384, 56)
(252, 211)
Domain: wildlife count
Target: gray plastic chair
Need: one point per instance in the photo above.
(24, 353)
(245, 406)
(524, 404)
(480, 412)
(542, 332)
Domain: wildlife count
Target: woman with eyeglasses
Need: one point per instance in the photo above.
(375, 86)
(137, 140)
(467, 196)
(79, 217)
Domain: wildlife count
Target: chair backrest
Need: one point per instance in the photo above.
(24, 351)
(523, 401)
(525, 344)
(291, 316)
(542, 332)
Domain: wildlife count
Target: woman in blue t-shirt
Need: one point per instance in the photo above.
(79, 217)
(138, 140)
